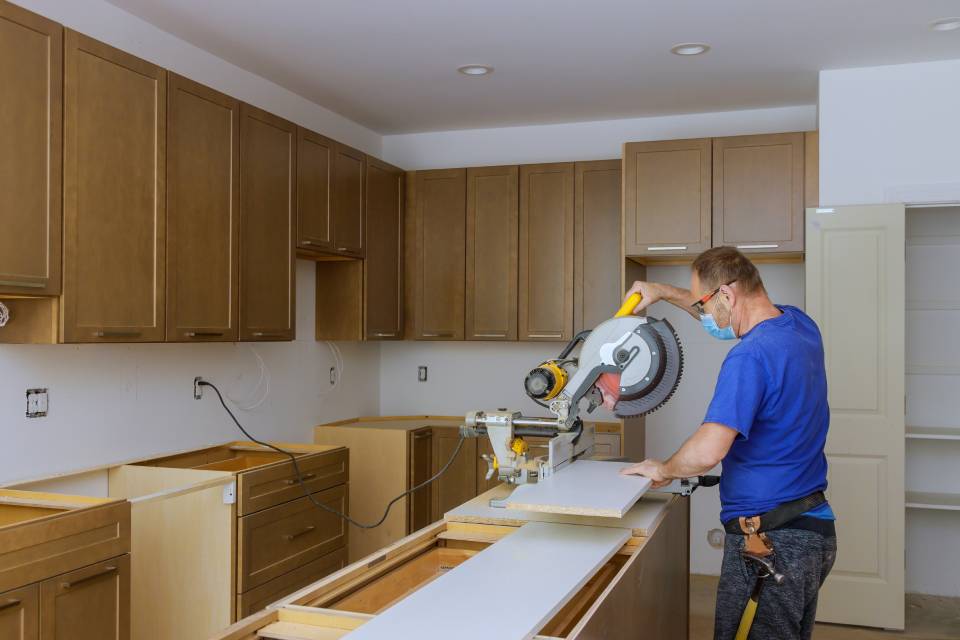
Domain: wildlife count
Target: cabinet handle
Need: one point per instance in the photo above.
(489, 335)
(116, 334)
(442, 334)
(674, 248)
(421, 436)
(544, 335)
(342, 249)
(18, 283)
(385, 335)
(309, 243)
(305, 477)
(9, 603)
(105, 572)
(757, 246)
(204, 334)
(268, 334)
(290, 537)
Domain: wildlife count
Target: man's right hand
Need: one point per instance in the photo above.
(650, 292)
(656, 291)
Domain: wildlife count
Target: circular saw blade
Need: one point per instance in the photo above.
(672, 371)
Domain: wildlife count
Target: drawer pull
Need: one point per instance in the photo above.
(105, 572)
(385, 335)
(673, 248)
(290, 537)
(269, 334)
(304, 477)
(8, 604)
(441, 334)
(19, 283)
(545, 335)
(489, 335)
(204, 334)
(116, 334)
(342, 249)
(757, 246)
(421, 436)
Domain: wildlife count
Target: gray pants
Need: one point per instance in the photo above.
(785, 611)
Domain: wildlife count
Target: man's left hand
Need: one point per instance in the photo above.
(649, 468)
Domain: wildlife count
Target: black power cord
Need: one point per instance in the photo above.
(306, 491)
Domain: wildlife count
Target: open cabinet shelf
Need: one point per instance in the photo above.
(933, 433)
(929, 500)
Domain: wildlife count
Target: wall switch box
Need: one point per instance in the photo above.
(422, 374)
(37, 403)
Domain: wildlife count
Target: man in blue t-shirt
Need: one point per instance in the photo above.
(767, 424)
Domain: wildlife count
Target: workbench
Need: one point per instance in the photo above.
(566, 577)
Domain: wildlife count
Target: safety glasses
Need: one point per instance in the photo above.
(698, 305)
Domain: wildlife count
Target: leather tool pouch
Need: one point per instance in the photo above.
(756, 542)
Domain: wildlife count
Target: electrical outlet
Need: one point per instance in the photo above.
(333, 376)
(197, 388)
(37, 403)
(715, 538)
(422, 373)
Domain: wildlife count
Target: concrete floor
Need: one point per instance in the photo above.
(928, 618)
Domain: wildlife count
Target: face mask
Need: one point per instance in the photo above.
(710, 324)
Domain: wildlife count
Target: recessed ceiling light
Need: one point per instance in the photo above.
(945, 24)
(689, 48)
(475, 69)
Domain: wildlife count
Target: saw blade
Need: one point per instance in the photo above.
(672, 371)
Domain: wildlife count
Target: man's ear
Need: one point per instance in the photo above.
(729, 295)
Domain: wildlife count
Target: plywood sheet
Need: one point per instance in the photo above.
(565, 557)
(584, 488)
(640, 519)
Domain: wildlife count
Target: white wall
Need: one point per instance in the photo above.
(103, 21)
(890, 134)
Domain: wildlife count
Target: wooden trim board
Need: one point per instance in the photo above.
(583, 488)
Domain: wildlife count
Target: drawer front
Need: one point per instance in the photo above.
(274, 485)
(92, 603)
(278, 540)
(38, 550)
(20, 613)
(266, 594)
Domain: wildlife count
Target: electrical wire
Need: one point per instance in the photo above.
(265, 376)
(303, 486)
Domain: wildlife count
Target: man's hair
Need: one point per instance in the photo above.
(721, 265)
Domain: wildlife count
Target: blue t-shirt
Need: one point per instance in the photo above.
(772, 389)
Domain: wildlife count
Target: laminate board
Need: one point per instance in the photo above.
(584, 488)
(565, 556)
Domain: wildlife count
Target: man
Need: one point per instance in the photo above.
(767, 423)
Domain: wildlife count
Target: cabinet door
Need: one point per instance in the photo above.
(758, 192)
(546, 252)
(314, 169)
(348, 213)
(268, 170)
(113, 210)
(383, 266)
(31, 74)
(440, 200)
(597, 260)
(203, 218)
(20, 614)
(458, 484)
(92, 603)
(666, 197)
(491, 266)
(420, 502)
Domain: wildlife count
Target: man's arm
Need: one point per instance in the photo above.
(701, 452)
(656, 291)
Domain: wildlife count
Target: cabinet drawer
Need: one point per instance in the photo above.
(20, 613)
(266, 594)
(92, 603)
(277, 484)
(278, 540)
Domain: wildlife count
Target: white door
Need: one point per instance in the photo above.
(855, 291)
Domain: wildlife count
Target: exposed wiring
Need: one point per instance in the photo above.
(337, 367)
(303, 486)
(265, 377)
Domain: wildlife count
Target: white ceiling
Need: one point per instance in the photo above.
(391, 64)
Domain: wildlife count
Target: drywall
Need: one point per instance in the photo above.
(889, 134)
(115, 402)
(103, 21)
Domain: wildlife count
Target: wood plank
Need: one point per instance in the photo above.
(439, 610)
(586, 488)
(640, 519)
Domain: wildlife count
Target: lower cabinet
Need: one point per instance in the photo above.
(92, 603)
(458, 483)
(20, 613)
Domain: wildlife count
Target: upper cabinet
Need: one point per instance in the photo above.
(545, 291)
(758, 192)
(437, 223)
(314, 168)
(347, 200)
(203, 217)
(114, 211)
(492, 253)
(383, 267)
(666, 197)
(268, 175)
(596, 292)
(31, 74)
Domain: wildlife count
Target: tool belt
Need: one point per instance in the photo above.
(754, 526)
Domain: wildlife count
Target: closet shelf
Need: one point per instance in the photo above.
(933, 433)
(939, 501)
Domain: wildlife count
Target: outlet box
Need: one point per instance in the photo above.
(197, 388)
(422, 373)
(37, 403)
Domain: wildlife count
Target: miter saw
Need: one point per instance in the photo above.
(629, 363)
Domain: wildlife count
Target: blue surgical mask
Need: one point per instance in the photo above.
(710, 324)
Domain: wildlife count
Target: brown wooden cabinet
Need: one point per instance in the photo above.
(666, 197)
(420, 506)
(347, 200)
(203, 217)
(268, 174)
(546, 252)
(758, 192)
(314, 169)
(435, 248)
(31, 74)
(383, 266)
(459, 482)
(113, 208)
(92, 603)
(492, 253)
(596, 291)
(20, 613)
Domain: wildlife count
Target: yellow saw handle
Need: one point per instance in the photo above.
(629, 305)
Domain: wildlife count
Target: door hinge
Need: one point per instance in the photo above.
(230, 493)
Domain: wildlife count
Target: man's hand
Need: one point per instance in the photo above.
(649, 468)
(649, 291)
